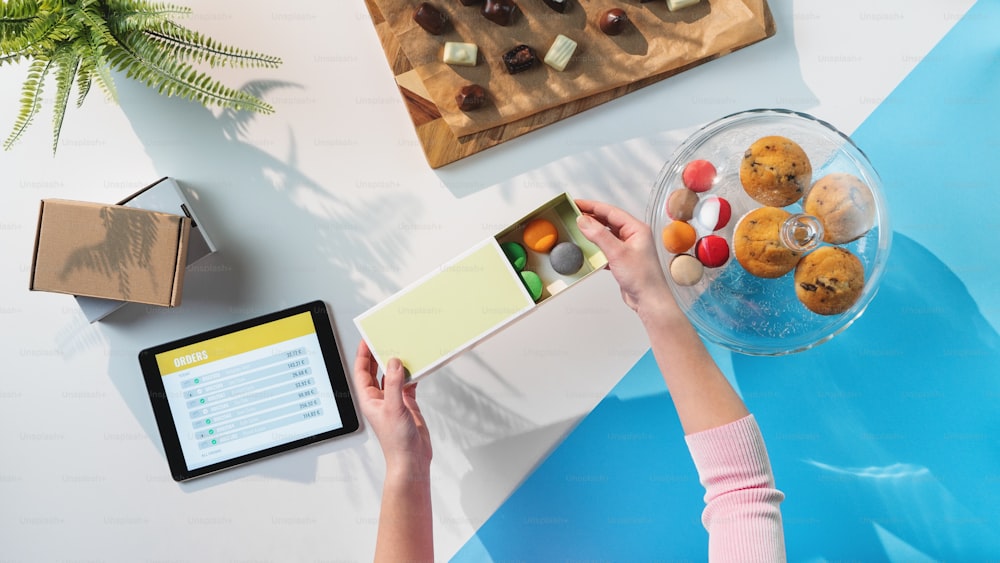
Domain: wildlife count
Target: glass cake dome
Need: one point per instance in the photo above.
(726, 303)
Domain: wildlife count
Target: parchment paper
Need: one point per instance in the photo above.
(655, 41)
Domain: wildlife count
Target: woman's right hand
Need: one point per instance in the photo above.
(629, 247)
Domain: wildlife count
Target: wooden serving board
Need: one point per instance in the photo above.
(441, 146)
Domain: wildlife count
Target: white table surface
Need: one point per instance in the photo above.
(331, 198)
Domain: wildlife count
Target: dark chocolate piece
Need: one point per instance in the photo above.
(470, 97)
(613, 21)
(474, 2)
(430, 18)
(519, 59)
(500, 12)
(557, 5)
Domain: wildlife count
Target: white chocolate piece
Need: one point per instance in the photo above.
(560, 52)
(674, 5)
(556, 286)
(598, 260)
(461, 54)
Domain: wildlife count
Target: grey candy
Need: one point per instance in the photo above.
(566, 258)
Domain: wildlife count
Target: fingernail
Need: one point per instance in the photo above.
(584, 222)
(394, 364)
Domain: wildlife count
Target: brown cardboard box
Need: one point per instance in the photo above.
(110, 251)
(165, 196)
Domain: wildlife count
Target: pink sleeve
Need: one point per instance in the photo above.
(741, 504)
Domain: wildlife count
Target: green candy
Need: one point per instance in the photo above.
(533, 283)
(516, 254)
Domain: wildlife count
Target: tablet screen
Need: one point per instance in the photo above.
(248, 390)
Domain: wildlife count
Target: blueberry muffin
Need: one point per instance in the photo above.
(843, 204)
(775, 171)
(757, 243)
(829, 280)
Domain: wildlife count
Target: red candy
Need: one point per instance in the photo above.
(698, 175)
(712, 250)
(713, 213)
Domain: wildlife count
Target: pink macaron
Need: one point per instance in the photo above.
(698, 175)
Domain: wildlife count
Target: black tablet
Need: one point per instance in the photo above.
(248, 390)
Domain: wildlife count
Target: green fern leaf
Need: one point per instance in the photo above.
(36, 36)
(82, 42)
(147, 62)
(195, 47)
(96, 67)
(125, 16)
(102, 74)
(90, 18)
(17, 10)
(31, 98)
(15, 16)
(84, 79)
(67, 64)
(14, 9)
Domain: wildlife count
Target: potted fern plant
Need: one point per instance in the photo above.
(77, 43)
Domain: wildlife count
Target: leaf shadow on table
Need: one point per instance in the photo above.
(884, 438)
(246, 197)
(115, 257)
(766, 74)
(491, 437)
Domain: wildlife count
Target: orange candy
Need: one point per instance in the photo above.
(678, 236)
(540, 235)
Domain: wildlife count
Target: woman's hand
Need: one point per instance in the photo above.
(406, 522)
(703, 397)
(628, 245)
(392, 411)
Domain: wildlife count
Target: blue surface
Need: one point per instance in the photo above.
(620, 479)
(886, 440)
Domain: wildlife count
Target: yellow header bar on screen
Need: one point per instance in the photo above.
(236, 343)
